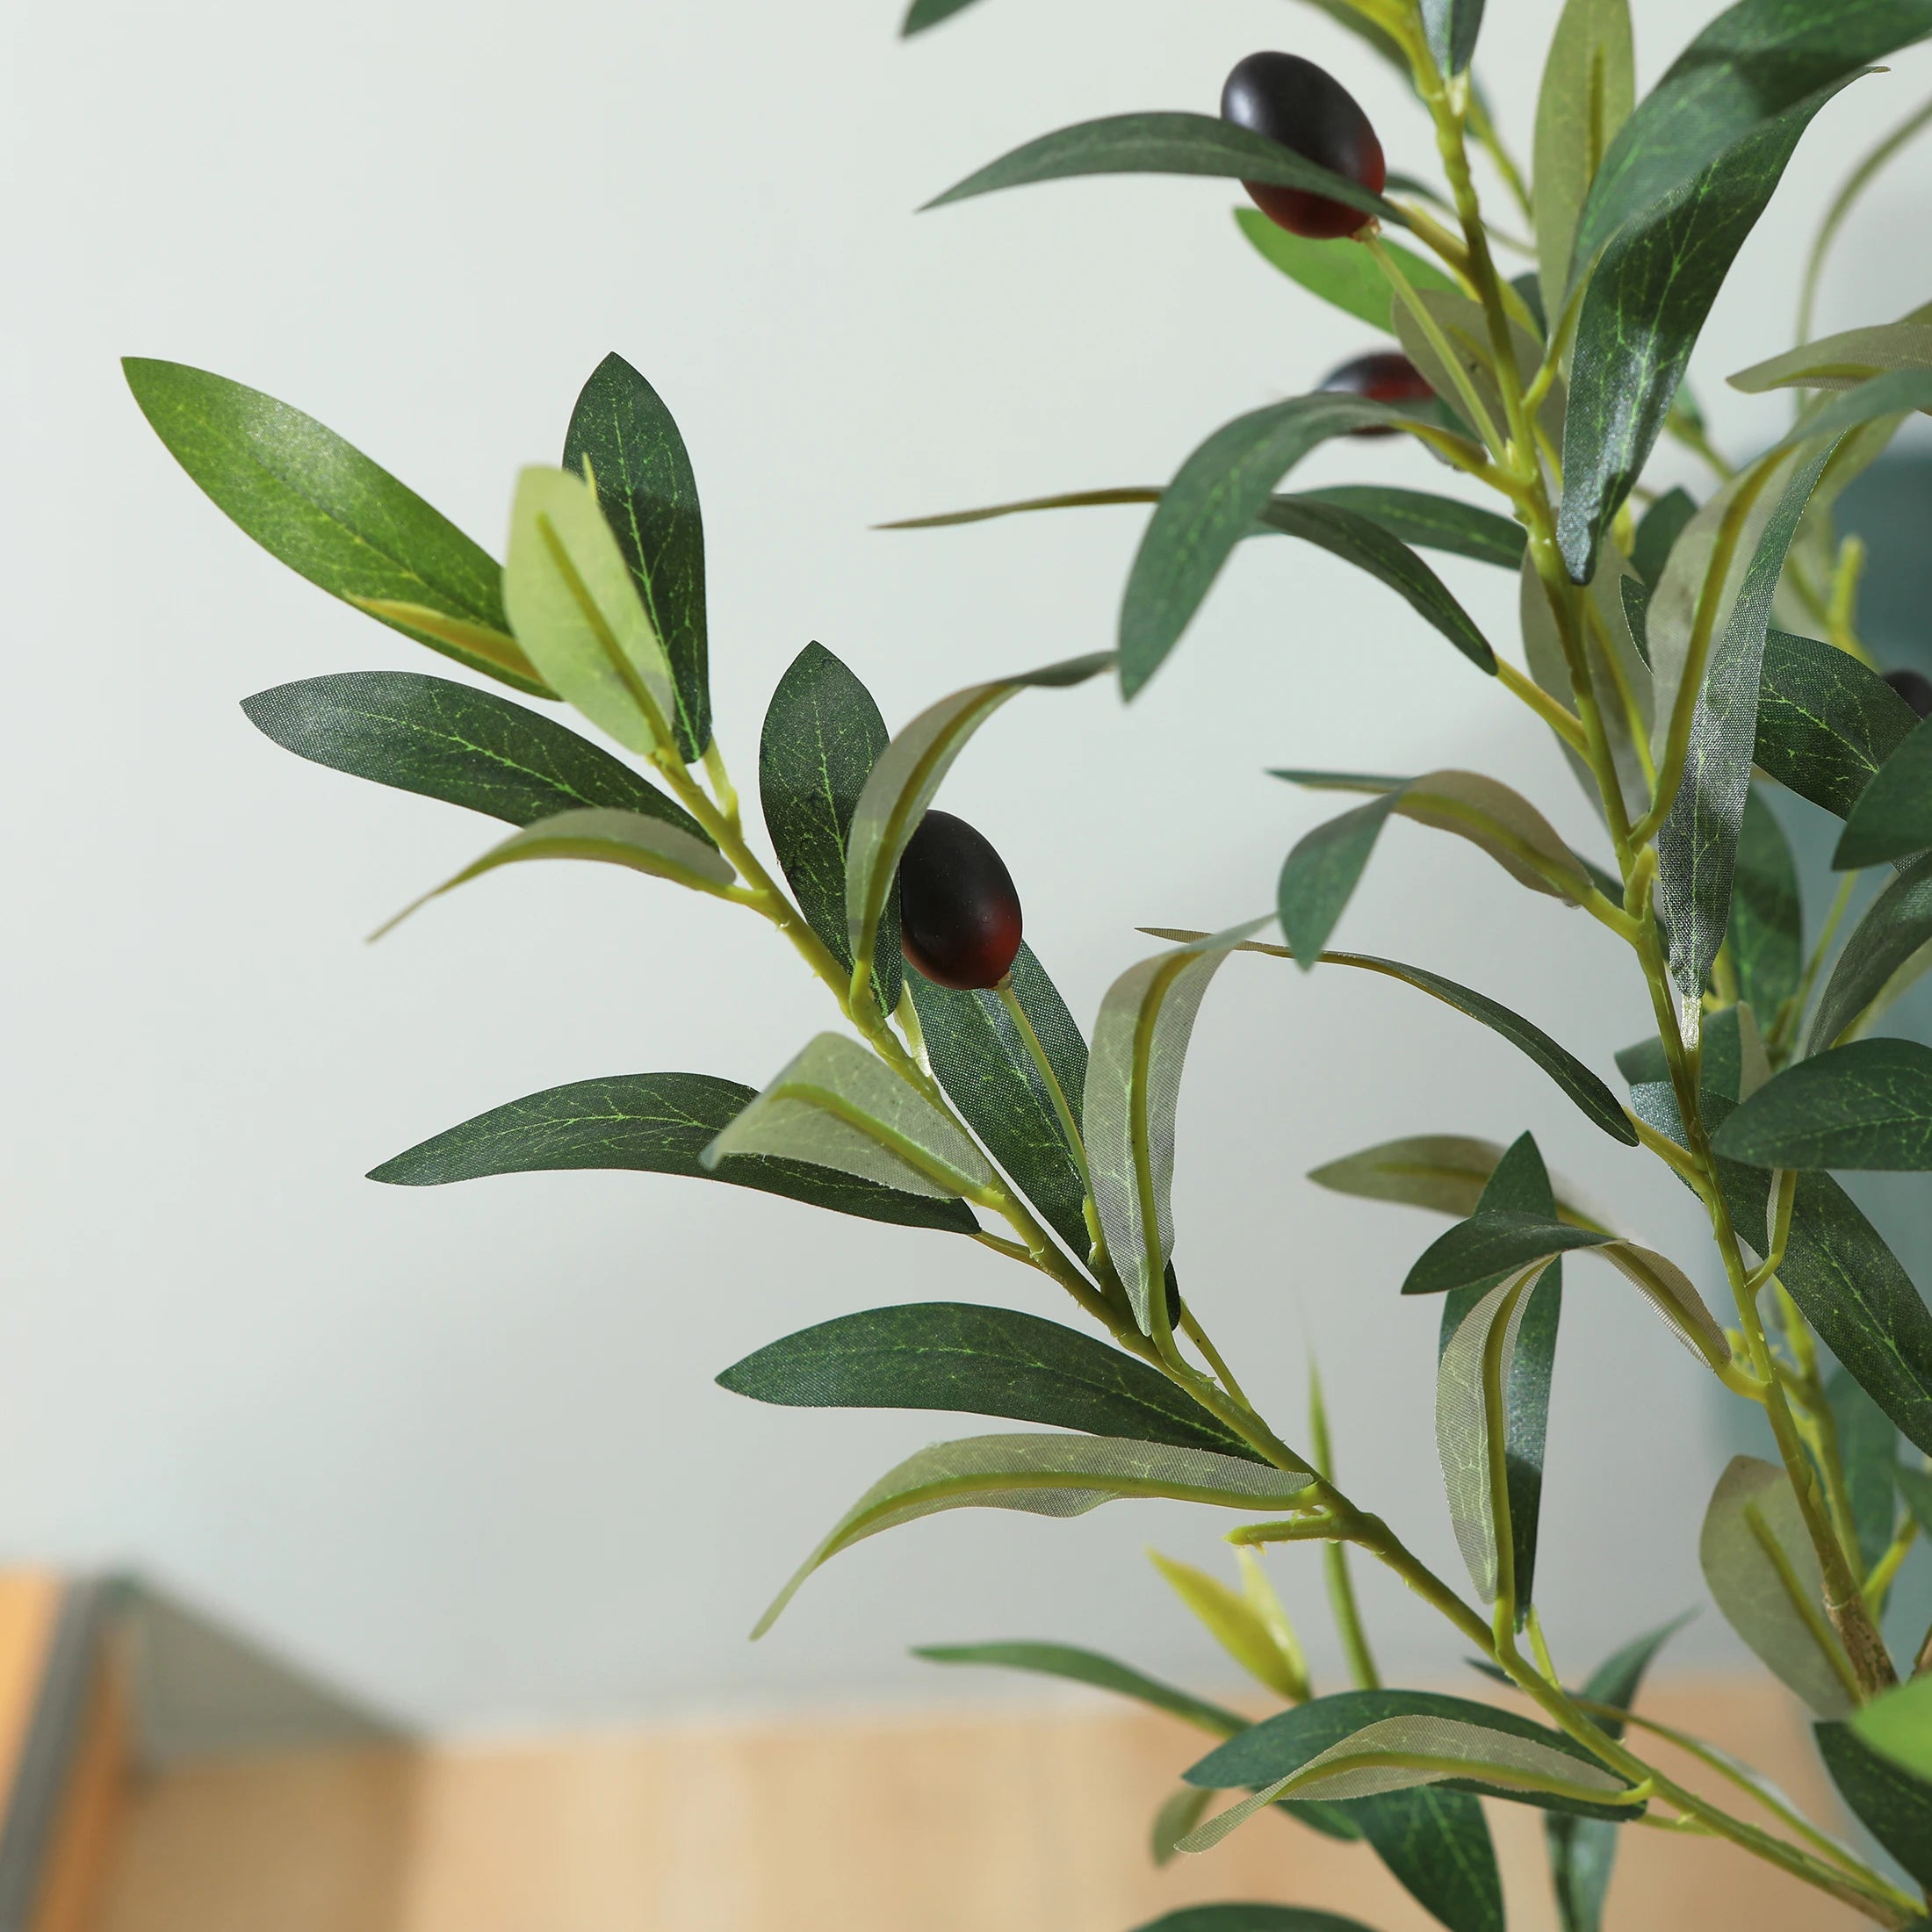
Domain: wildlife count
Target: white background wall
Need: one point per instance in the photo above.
(461, 1446)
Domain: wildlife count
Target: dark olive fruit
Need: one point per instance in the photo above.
(1384, 375)
(959, 916)
(1914, 687)
(1172, 1284)
(1296, 103)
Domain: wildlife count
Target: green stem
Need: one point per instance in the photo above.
(1341, 1586)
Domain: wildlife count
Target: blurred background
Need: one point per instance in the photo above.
(460, 1449)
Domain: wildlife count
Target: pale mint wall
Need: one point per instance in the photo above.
(461, 1447)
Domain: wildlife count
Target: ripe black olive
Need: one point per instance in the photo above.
(1171, 1285)
(1385, 375)
(959, 915)
(1296, 103)
(1914, 687)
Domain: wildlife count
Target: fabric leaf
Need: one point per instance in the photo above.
(1868, 1104)
(1894, 1803)
(1234, 1623)
(1346, 276)
(1899, 1728)
(1766, 933)
(1893, 816)
(1893, 929)
(1826, 722)
(1588, 87)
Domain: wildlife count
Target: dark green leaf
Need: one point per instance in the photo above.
(1436, 1842)
(1892, 1805)
(1520, 1184)
(323, 508)
(622, 432)
(656, 1123)
(1281, 1745)
(822, 736)
(1915, 1486)
(1697, 845)
(1479, 1252)
(1893, 815)
(1645, 1062)
(1428, 522)
(928, 13)
(981, 1060)
(1450, 27)
(1589, 84)
(1750, 65)
(1868, 1451)
(1583, 1850)
(1214, 501)
(1825, 722)
(1636, 602)
(1767, 934)
(1320, 875)
(1339, 271)
(1642, 311)
(1090, 1667)
(1165, 144)
(981, 1361)
(1659, 528)
(1868, 1104)
(1894, 926)
(1251, 1918)
(1367, 543)
(456, 743)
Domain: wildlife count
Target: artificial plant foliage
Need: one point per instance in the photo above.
(1691, 641)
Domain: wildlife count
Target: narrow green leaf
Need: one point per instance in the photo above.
(1214, 501)
(1463, 325)
(907, 777)
(1588, 87)
(1697, 845)
(1842, 361)
(651, 1123)
(1428, 522)
(1251, 1918)
(319, 505)
(981, 1060)
(605, 837)
(1900, 393)
(977, 1360)
(1444, 1171)
(1915, 1486)
(1436, 1842)
(1045, 1476)
(1089, 1667)
(1868, 1451)
(1233, 1623)
(573, 605)
(1132, 1090)
(1340, 271)
(1767, 930)
(1165, 144)
(1657, 529)
(1893, 815)
(1867, 1105)
(837, 1104)
(1320, 875)
(1450, 27)
(625, 440)
(1180, 1812)
(1826, 722)
(1645, 306)
(1287, 1745)
(1894, 929)
(1751, 65)
(1367, 543)
(928, 13)
(822, 736)
(452, 741)
(1590, 1095)
(1761, 1570)
(1882, 1764)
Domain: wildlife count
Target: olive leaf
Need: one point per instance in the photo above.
(1867, 1453)
(1766, 935)
(1893, 815)
(1251, 1918)
(1212, 502)
(907, 774)
(979, 1057)
(1866, 1104)
(1899, 1728)
(928, 13)
(1915, 1486)
(1425, 521)
(1165, 144)
(1658, 529)
(1882, 1764)
(605, 836)
(1463, 324)
(1596, 1102)
(837, 1104)
(1321, 872)
(319, 505)
(1643, 309)
(625, 440)
(1133, 1087)
(450, 741)
(653, 1123)
(1492, 1243)
(1763, 1574)
(1826, 722)
(1450, 27)
(821, 737)
(1181, 1811)
(1248, 1625)
(1045, 1476)
(977, 1361)
(1589, 86)
(1845, 360)
(573, 605)
(1893, 931)
(1339, 271)
(1697, 845)
(1444, 1171)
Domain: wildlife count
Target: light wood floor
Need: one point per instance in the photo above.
(1027, 1820)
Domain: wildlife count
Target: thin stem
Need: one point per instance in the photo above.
(1452, 362)
(1558, 716)
(1341, 1586)
(1878, 1582)
(1062, 1111)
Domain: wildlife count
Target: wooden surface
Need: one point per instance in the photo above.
(1026, 1820)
